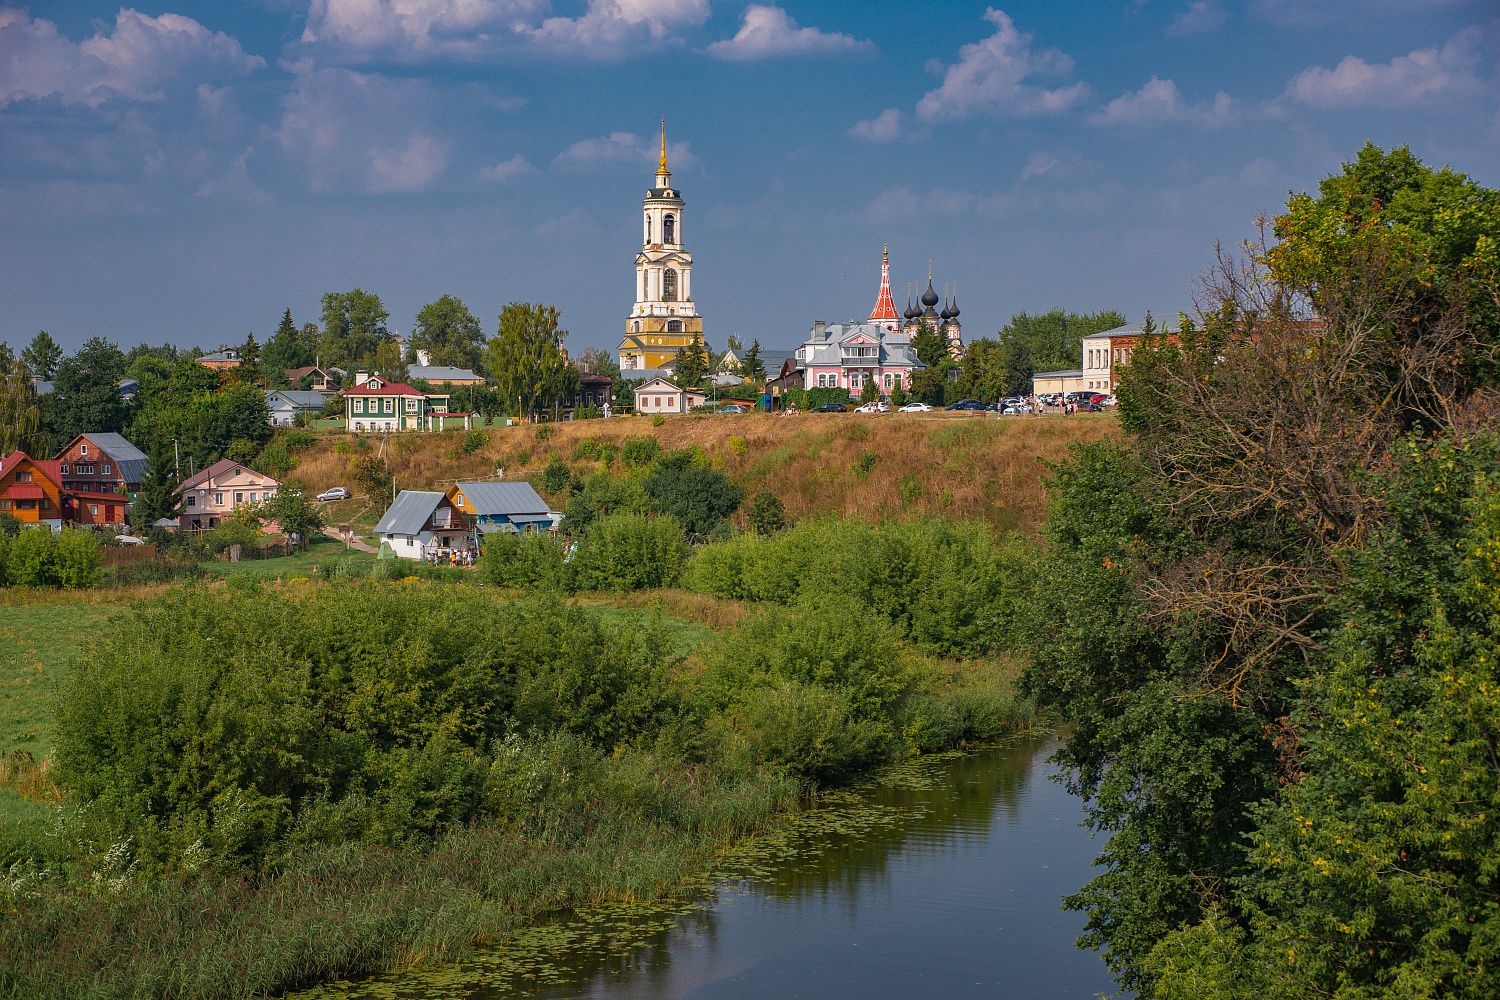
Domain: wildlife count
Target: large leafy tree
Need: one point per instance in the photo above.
(354, 325)
(698, 497)
(597, 361)
(1191, 645)
(930, 384)
(527, 361)
(42, 355)
(450, 333)
(984, 373)
(1053, 340)
(86, 392)
(751, 365)
(20, 412)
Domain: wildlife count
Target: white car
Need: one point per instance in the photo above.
(915, 408)
(872, 408)
(337, 493)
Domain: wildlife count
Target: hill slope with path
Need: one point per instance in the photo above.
(872, 466)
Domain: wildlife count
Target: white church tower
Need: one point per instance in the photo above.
(665, 317)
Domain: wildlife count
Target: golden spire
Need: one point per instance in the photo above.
(661, 166)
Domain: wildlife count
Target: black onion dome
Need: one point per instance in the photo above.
(929, 297)
(947, 312)
(953, 309)
(911, 311)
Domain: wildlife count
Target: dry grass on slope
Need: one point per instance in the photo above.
(855, 465)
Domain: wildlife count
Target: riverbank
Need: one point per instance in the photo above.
(562, 814)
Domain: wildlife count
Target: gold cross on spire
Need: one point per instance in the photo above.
(662, 163)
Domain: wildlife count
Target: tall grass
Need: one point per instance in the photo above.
(971, 466)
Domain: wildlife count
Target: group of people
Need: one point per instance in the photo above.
(451, 557)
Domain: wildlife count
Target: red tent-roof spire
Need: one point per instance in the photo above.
(885, 307)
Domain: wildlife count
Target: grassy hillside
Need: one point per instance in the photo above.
(853, 465)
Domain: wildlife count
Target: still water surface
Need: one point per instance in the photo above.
(942, 883)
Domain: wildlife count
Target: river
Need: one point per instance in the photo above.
(942, 881)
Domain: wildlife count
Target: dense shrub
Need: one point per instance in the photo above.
(473, 441)
(600, 495)
(629, 552)
(38, 557)
(639, 451)
(948, 585)
(354, 712)
(533, 560)
(701, 499)
(555, 476)
(766, 514)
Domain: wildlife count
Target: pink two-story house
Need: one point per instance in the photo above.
(847, 355)
(219, 490)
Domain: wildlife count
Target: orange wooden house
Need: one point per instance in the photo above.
(31, 490)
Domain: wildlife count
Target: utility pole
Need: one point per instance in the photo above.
(176, 460)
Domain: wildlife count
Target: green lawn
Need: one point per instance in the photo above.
(685, 636)
(318, 555)
(40, 639)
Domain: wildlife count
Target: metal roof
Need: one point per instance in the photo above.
(409, 513)
(1128, 330)
(305, 399)
(132, 461)
(502, 498)
(439, 373)
(1076, 372)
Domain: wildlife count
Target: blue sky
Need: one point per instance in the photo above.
(183, 171)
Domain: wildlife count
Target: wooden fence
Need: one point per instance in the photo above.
(126, 555)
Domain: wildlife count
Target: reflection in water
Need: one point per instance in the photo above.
(953, 892)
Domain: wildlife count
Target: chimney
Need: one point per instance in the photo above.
(819, 327)
(361, 377)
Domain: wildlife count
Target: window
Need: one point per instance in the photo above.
(65, 470)
(93, 510)
(669, 285)
(192, 501)
(669, 229)
(83, 449)
(23, 477)
(887, 380)
(648, 229)
(674, 326)
(106, 468)
(645, 285)
(239, 498)
(218, 499)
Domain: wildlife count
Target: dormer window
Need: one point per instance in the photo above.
(83, 449)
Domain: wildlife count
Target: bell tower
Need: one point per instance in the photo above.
(664, 317)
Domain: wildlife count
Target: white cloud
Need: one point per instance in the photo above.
(359, 131)
(1037, 164)
(410, 166)
(614, 28)
(624, 148)
(138, 60)
(770, 31)
(1199, 16)
(501, 173)
(1160, 101)
(418, 28)
(888, 126)
(994, 76)
(414, 30)
(1416, 78)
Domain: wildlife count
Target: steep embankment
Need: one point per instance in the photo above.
(853, 465)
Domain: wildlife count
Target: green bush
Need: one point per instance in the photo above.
(543, 433)
(629, 552)
(766, 514)
(555, 476)
(865, 464)
(949, 586)
(37, 557)
(639, 450)
(701, 499)
(357, 711)
(533, 561)
(473, 441)
(657, 420)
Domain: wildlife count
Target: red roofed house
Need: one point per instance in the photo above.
(379, 404)
(31, 490)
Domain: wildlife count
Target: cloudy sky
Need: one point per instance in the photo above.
(183, 171)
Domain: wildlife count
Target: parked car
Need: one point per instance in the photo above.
(915, 408)
(876, 407)
(734, 408)
(1089, 406)
(831, 408)
(965, 404)
(337, 493)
